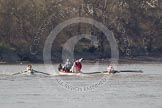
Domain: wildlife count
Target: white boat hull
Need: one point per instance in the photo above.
(68, 73)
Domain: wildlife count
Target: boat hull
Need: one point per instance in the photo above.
(70, 73)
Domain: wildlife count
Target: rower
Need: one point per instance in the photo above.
(29, 70)
(110, 69)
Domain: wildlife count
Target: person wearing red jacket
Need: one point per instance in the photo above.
(77, 66)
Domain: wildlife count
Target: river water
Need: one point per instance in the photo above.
(121, 90)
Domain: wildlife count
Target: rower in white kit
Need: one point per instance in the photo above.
(110, 69)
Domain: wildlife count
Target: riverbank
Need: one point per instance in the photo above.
(11, 56)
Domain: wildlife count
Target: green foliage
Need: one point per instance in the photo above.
(4, 45)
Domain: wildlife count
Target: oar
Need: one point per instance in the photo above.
(41, 72)
(34, 72)
(5, 74)
(117, 71)
(95, 72)
(16, 73)
(134, 71)
(92, 73)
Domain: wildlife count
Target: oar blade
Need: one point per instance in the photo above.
(16, 73)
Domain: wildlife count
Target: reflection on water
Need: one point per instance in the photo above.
(120, 90)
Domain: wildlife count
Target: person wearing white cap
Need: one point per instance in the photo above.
(67, 66)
